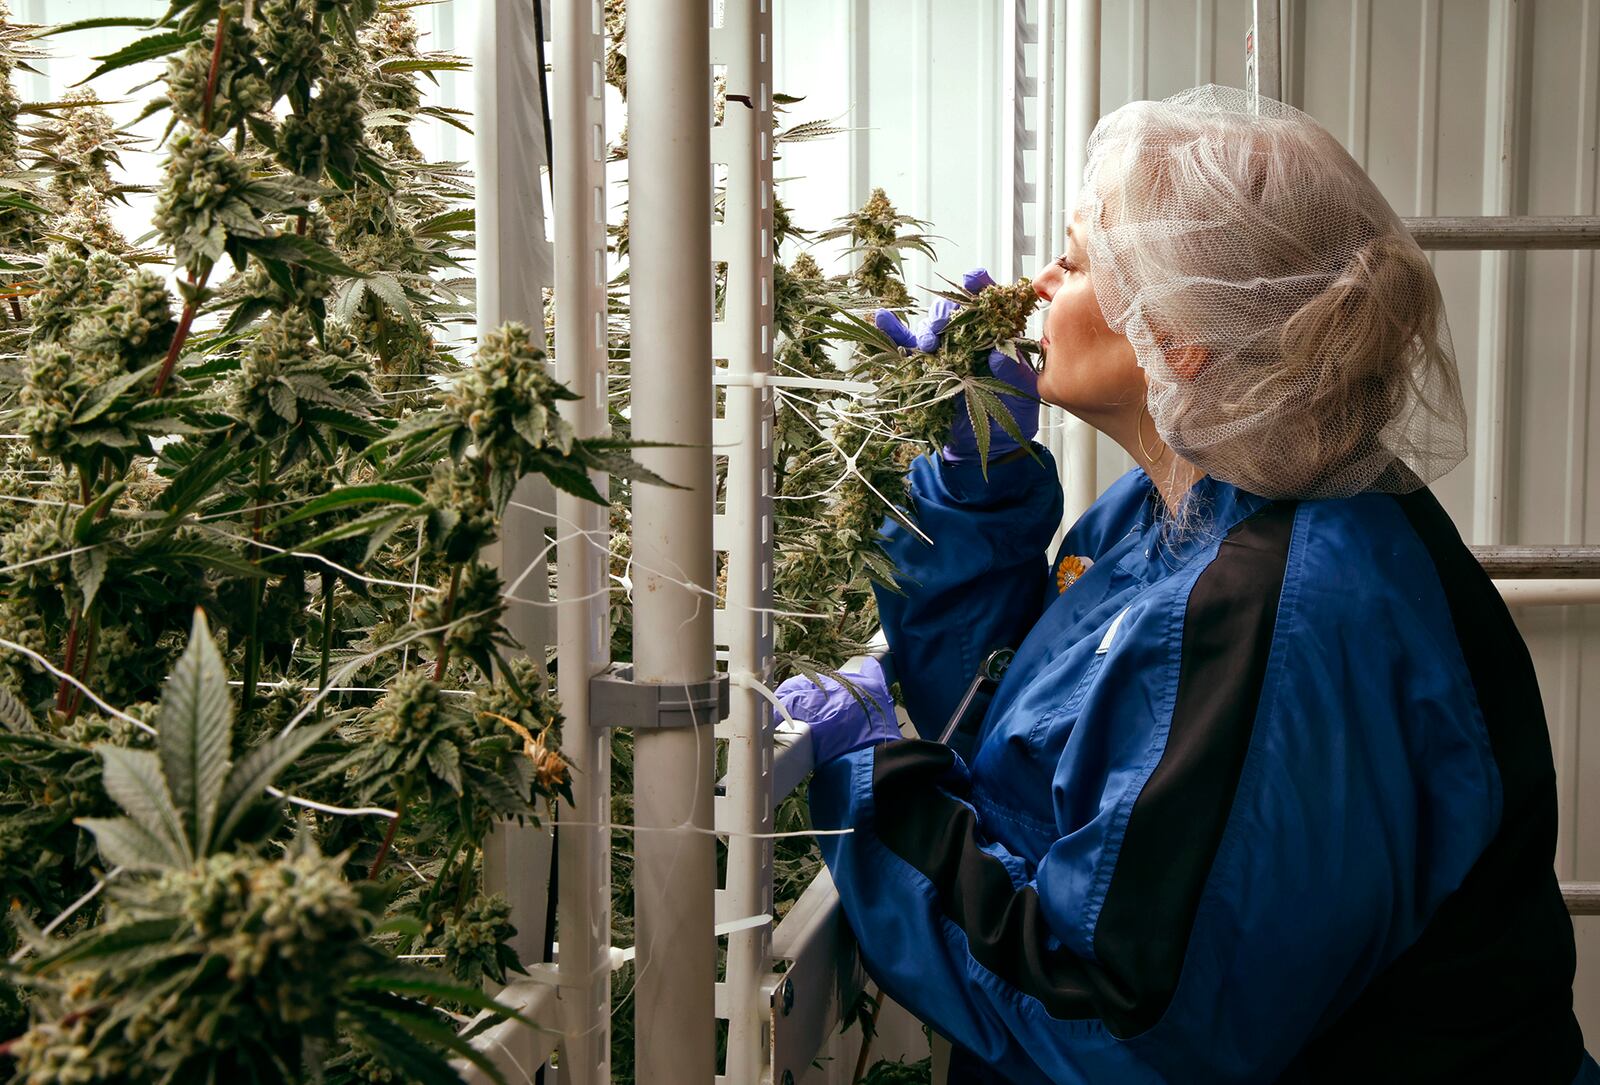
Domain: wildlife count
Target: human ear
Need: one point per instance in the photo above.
(1188, 361)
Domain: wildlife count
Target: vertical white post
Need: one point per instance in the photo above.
(1267, 76)
(669, 109)
(1017, 137)
(1491, 449)
(582, 634)
(513, 264)
(744, 337)
(1076, 453)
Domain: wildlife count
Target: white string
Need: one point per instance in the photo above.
(850, 464)
(378, 580)
(345, 811)
(72, 910)
(85, 690)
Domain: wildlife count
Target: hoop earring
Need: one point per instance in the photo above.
(1138, 432)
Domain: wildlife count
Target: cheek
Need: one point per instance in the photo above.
(1088, 365)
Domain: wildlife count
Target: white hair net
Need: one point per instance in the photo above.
(1291, 330)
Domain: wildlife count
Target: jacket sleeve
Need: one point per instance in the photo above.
(1241, 845)
(979, 585)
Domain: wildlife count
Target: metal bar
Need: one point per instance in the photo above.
(1582, 898)
(1511, 562)
(1548, 593)
(743, 45)
(582, 616)
(514, 266)
(669, 104)
(1013, 138)
(1268, 49)
(1504, 232)
(1495, 311)
(1079, 440)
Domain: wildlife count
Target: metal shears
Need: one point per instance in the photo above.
(985, 681)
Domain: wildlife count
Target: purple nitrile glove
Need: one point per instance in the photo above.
(963, 442)
(840, 722)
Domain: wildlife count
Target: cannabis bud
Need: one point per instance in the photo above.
(241, 89)
(327, 135)
(203, 200)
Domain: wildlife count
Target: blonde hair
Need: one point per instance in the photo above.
(1293, 334)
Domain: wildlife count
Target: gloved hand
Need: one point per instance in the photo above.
(840, 722)
(963, 442)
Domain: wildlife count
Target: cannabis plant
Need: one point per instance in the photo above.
(223, 957)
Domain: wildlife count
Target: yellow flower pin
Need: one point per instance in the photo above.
(1071, 568)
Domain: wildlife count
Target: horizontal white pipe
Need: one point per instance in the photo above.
(515, 1049)
(1548, 593)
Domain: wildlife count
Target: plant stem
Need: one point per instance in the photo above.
(216, 70)
(64, 691)
(196, 282)
(88, 662)
(394, 827)
(182, 335)
(464, 881)
(330, 585)
(866, 1039)
(449, 616)
(252, 648)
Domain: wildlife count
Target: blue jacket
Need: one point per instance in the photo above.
(1267, 798)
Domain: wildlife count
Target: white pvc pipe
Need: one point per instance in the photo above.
(1078, 443)
(513, 267)
(1548, 593)
(744, 241)
(582, 626)
(669, 106)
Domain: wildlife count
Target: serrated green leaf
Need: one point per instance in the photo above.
(388, 290)
(142, 49)
(397, 1049)
(92, 24)
(346, 496)
(256, 770)
(303, 251)
(978, 415)
(133, 780)
(196, 730)
(89, 572)
(107, 942)
(14, 715)
(372, 521)
(414, 981)
(92, 513)
(444, 758)
(124, 842)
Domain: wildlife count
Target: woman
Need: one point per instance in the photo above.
(1266, 794)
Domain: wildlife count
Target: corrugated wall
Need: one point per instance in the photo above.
(1454, 107)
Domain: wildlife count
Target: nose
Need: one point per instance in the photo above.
(1047, 280)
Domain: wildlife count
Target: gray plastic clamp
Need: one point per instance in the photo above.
(616, 700)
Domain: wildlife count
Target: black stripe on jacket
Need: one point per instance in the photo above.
(1173, 831)
(1485, 994)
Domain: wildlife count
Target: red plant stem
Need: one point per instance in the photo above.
(198, 283)
(16, 308)
(64, 691)
(88, 663)
(216, 70)
(394, 827)
(178, 339)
